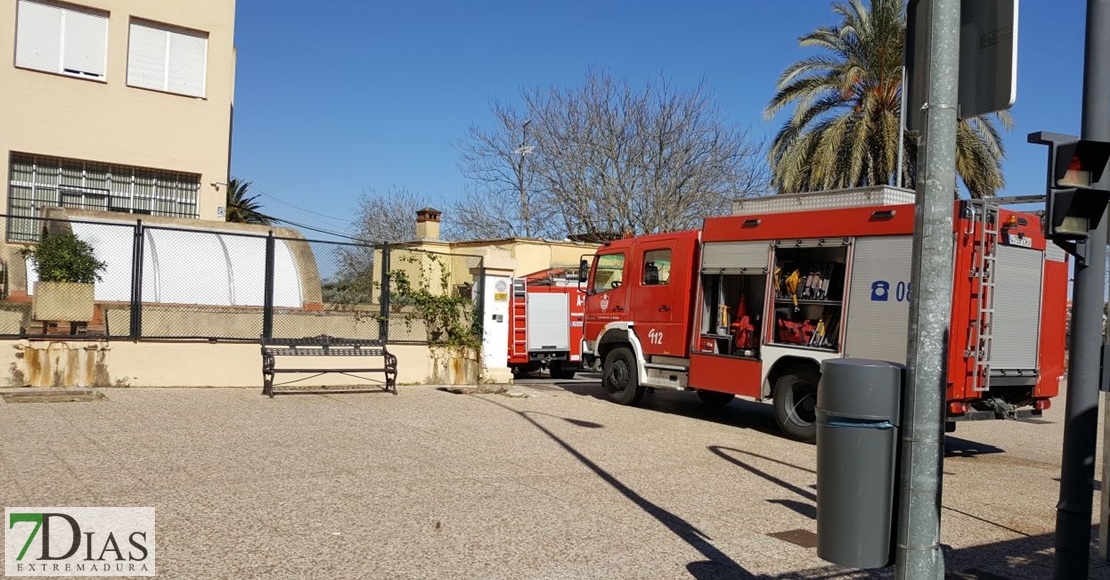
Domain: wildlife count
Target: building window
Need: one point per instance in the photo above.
(58, 38)
(38, 182)
(165, 58)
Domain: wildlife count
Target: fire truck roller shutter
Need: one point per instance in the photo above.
(879, 298)
(735, 257)
(1017, 309)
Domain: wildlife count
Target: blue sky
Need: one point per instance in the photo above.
(335, 98)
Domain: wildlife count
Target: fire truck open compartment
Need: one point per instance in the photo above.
(731, 318)
(809, 295)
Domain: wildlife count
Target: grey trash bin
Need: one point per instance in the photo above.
(858, 412)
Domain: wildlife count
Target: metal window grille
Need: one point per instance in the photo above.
(39, 181)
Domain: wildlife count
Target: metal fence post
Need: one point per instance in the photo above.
(479, 297)
(383, 322)
(136, 330)
(268, 291)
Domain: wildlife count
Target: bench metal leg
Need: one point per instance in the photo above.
(268, 374)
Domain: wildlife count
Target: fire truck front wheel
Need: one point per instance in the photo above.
(618, 377)
(796, 401)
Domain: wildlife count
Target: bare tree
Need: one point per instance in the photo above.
(503, 197)
(607, 159)
(389, 216)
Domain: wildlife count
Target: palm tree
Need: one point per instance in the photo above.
(243, 209)
(844, 130)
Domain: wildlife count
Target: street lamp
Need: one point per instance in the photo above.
(523, 150)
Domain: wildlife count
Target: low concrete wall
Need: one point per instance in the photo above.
(86, 363)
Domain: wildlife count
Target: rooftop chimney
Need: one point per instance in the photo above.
(427, 224)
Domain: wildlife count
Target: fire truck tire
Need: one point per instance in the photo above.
(618, 377)
(795, 403)
(560, 371)
(715, 398)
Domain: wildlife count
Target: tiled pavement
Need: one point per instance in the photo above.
(551, 483)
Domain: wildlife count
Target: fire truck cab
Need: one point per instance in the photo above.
(751, 304)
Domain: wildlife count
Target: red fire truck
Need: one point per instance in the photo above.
(752, 303)
(545, 323)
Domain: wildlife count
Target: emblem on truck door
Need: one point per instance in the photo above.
(605, 303)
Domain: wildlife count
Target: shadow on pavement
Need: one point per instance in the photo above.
(1025, 557)
(719, 565)
(956, 447)
(740, 413)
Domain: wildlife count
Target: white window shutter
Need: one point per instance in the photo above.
(146, 57)
(86, 43)
(38, 42)
(188, 55)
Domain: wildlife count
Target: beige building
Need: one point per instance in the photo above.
(115, 105)
(526, 255)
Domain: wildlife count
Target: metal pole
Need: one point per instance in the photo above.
(918, 555)
(268, 290)
(383, 322)
(901, 132)
(1077, 469)
(1104, 504)
(136, 329)
(523, 199)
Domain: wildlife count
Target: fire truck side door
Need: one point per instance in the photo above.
(659, 299)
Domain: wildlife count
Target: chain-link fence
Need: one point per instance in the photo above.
(432, 297)
(161, 282)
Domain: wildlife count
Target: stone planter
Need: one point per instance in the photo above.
(69, 301)
(454, 366)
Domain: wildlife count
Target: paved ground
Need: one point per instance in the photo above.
(552, 483)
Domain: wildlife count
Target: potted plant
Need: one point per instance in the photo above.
(67, 269)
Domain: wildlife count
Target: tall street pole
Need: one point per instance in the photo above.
(1077, 470)
(523, 199)
(918, 555)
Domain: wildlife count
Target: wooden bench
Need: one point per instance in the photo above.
(332, 348)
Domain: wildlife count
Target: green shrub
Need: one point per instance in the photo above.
(63, 257)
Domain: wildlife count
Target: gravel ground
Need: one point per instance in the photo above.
(545, 481)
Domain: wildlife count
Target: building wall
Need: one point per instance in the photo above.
(185, 364)
(110, 122)
(532, 255)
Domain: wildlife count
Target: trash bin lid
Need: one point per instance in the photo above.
(861, 389)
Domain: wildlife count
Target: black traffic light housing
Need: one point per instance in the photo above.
(1077, 192)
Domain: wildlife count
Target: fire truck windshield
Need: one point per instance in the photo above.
(609, 272)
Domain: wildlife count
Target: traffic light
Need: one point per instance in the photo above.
(1077, 194)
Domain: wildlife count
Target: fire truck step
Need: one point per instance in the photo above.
(663, 367)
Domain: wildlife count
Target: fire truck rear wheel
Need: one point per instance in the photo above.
(796, 401)
(619, 377)
(715, 398)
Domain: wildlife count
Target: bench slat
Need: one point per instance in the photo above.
(322, 340)
(313, 351)
(344, 370)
